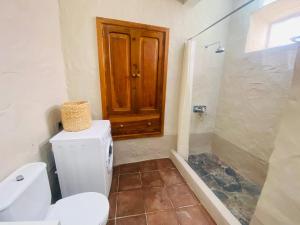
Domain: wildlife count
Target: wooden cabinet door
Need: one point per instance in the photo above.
(150, 78)
(133, 69)
(117, 47)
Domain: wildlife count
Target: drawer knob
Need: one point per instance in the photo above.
(149, 124)
(121, 125)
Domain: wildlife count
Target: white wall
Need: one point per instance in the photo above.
(80, 48)
(32, 80)
(208, 74)
(280, 199)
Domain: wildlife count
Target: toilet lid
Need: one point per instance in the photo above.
(81, 209)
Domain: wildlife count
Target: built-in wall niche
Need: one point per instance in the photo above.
(276, 24)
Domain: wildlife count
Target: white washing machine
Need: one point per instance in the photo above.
(84, 159)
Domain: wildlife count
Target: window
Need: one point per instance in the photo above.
(267, 2)
(282, 32)
(275, 24)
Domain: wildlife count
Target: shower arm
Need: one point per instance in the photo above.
(223, 18)
(212, 44)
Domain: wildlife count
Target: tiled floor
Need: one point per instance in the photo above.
(153, 193)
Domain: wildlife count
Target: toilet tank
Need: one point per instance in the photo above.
(25, 194)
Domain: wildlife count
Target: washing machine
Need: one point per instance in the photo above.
(84, 159)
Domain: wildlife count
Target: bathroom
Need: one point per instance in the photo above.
(219, 54)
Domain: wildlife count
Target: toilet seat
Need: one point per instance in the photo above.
(81, 209)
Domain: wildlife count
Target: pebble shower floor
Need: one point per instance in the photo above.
(236, 192)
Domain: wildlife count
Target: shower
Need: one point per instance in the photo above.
(219, 50)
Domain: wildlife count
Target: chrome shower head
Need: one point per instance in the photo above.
(220, 49)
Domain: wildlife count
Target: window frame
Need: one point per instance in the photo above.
(268, 39)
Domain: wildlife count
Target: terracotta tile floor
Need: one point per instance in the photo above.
(153, 193)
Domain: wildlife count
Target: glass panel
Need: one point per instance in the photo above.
(245, 94)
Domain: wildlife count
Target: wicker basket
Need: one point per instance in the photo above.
(76, 116)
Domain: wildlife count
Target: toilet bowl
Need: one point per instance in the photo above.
(87, 208)
(25, 196)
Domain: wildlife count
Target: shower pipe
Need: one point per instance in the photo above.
(223, 18)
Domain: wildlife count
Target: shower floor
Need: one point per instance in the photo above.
(236, 192)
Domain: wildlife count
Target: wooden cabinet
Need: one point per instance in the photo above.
(133, 68)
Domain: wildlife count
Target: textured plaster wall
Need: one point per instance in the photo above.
(32, 81)
(144, 149)
(81, 57)
(280, 199)
(253, 92)
(208, 72)
(207, 76)
(247, 164)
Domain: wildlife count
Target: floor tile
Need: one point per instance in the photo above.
(156, 198)
(130, 181)
(112, 205)
(162, 218)
(171, 176)
(130, 168)
(134, 220)
(181, 195)
(149, 165)
(114, 184)
(195, 215)
(111, 222)
(146, 193)
(164, 163)
(152, 179)
(130, 203)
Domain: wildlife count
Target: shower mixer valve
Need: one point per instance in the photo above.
(199, 108)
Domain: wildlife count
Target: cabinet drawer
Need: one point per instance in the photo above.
(136, 127)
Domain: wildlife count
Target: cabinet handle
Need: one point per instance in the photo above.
(138, 75)
(149, 124)
(134, 75)
(121, 125)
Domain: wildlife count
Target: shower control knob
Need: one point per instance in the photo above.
(20, 178)
(199, 109)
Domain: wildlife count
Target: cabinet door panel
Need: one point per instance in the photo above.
(118, 66)
(133, 69)
(149, 84)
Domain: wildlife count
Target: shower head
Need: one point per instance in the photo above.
(220, 49)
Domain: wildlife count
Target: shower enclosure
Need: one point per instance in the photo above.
(239, 90)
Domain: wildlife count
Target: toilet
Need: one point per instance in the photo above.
(25, 196)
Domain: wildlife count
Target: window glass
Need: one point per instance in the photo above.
(282, 32)
(266, 2)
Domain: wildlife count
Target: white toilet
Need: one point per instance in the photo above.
(25, 196)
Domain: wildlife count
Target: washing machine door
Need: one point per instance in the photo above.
(109, 163)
